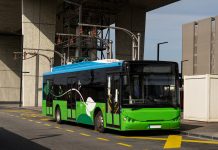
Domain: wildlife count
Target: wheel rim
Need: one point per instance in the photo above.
(58, 117)
(100, 122)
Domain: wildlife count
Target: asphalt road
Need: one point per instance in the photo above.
(22, 129)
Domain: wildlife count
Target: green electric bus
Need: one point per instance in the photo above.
(120, 95)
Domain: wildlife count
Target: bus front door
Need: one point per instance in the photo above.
(49, 89)
(71, 99)
(113, 101)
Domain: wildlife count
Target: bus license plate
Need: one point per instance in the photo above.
(155, 126)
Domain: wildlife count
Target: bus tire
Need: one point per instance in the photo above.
(58, 115)
(99, 122)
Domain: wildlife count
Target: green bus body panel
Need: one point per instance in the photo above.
(71, 113)
(63, 107)
(117, 119)
(151, 114)
(44, 107)
(109, 118)
(129, 119)
(83, 117)
(142, 118)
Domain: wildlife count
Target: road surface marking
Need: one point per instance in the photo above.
(103, 139)
(173, 141)
(44, 119)
(58, 127)
(201, 141)
(30, 120)
(24, 118)
(38, 122)
(48, 125)
(164, 139)
(11, 115)
(123, 144)
(143, 138)
(70, 130)
(84, 134)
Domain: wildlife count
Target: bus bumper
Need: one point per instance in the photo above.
(154, 125)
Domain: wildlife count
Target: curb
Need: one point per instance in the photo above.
(199, 135)
(32, 108)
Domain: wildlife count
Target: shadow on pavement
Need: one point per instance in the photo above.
(186, 127)
(12, 141)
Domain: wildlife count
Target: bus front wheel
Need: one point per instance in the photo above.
(99, 122)
(58, 115)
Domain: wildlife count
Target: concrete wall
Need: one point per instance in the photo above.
(10, 16)
(38, 27)
(200, 47)
(216, 47)
(133, 19)
(10, 69)
(204, 46)
(188, 47)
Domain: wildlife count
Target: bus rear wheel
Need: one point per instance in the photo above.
(58, 115)
(99, 122)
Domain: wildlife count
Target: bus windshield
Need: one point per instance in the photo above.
(150, 90)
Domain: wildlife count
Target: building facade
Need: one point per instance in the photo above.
(200, 47)
(30, 26)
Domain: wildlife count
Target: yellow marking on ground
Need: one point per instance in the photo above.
(30, 120)
(173, 141)
(70, 130)
(11, 115)
(83, 134)
(17, 116)
(58, 127)
(124, 144)
(38, 122)
(165, 139)
(201, 141)
(48, 125)
(23, 118)
(44, 119)
(103, 139)
(143, 138)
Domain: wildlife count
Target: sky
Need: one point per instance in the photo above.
(165, 24)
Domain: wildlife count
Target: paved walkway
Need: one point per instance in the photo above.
(200, 129)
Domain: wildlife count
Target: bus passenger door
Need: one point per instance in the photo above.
(113, 100)
(71, 101)
(49, 89)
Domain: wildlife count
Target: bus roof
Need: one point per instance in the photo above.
(86, 65)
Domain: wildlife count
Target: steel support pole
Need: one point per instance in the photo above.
(139, 44)
(110, 49)
(158, 52)
(133, 49)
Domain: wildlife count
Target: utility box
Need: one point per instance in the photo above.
(201, 98)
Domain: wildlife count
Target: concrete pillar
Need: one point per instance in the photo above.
(38, 28)
(10, 69)
(133, 19)
(204, 47)
(216, 47)
(188, 44)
